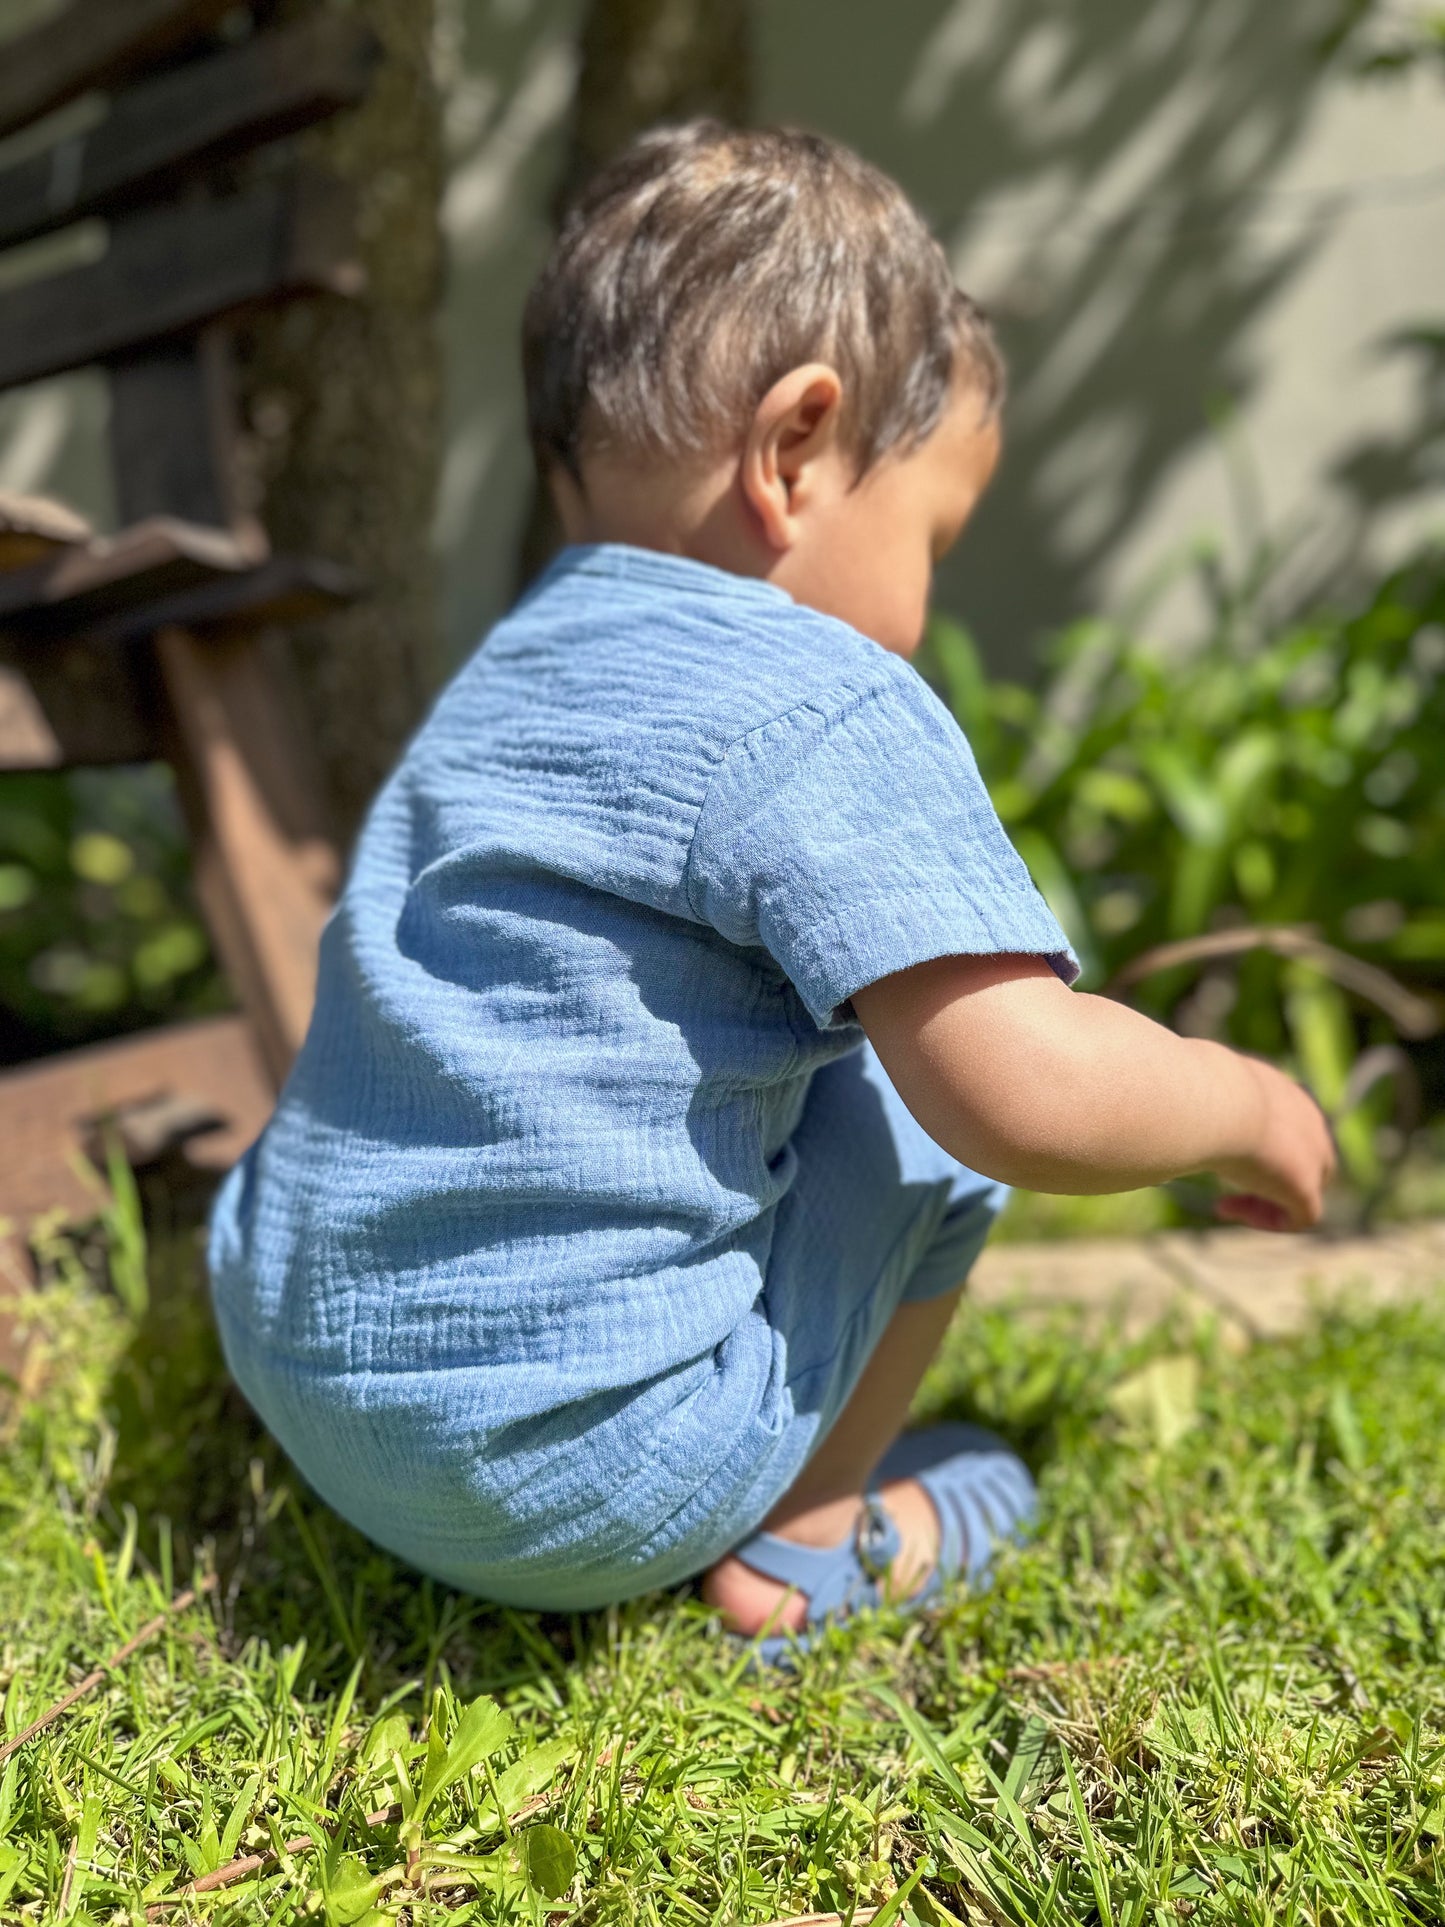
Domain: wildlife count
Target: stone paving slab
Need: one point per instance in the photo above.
(1265, 1286)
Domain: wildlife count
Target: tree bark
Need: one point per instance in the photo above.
(342, 402)
(650, 61)
(643, 63)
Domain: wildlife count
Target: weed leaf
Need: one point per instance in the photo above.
(483, 1731)
(549, 1858)
(350, 1893)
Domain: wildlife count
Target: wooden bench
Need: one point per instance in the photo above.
(151, 643)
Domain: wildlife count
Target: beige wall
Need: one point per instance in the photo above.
(1198, 242)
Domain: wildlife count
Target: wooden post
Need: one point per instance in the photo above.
(265, 872)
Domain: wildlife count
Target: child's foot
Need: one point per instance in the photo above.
(944, 1497)
(748, 1600)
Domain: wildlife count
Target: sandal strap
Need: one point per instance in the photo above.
(981, 1492)
(833, 1579)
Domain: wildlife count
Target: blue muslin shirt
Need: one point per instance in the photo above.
(585, 1201)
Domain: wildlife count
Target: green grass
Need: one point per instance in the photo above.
(1213, 1689)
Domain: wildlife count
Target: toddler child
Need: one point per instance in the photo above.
(687, 1009)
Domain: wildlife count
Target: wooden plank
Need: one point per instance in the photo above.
(171, 270)
(162, 130)
(93, 43)
(68, 705)
(32, 527)
(156, 558)
(175, 587)
(283, 590)
(172, 432)
(265, 871)
(48, 1110)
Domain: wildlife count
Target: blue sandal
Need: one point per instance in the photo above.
(981, 1491)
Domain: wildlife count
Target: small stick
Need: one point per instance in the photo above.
(859, 1919)
(117, 1658)
(69, 1880)
(253, 1863)
(250, 1863)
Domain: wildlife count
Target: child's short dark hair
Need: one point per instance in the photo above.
(704, 262)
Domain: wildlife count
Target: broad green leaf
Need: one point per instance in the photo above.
(209, 1838)
(927, 1743)
(195, 1859)
(351, 1893)
(482, 1731)
(240, 1813)
(1161, 1399)
(528, 1776)
(435, 1764)
(893, 1906)
(388, 1736)
(1031, 1743)
(1243, 766)
(1421, 940)
(1196, 806)
(1323, 1035)
(1093, 1859)
(1114, 792)
(550, 1859)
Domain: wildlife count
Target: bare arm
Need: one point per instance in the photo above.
(1030, 1082)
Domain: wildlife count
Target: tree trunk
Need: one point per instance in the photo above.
(343, 403)
(644, 62)
(651, 61)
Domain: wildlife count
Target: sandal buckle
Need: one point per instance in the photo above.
(877, 1539)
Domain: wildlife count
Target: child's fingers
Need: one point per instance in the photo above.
(1260, 1214)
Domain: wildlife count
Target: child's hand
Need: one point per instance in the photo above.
(1281, 1184)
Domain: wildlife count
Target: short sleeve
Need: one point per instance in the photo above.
(850, 839)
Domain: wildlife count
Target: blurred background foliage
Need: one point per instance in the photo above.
(1284, 776)
(1292, 776)
(98, 931)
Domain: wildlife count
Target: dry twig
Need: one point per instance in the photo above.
(69, 1880)
(117, 1658)
(250, 1863)
(859, 1919)
(1412, 1016)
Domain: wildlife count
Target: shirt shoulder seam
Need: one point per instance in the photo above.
(876, 685)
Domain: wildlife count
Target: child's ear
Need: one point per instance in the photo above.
(794, 427)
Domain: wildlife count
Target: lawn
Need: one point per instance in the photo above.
(1212, 1689)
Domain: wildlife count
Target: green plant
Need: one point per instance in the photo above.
(1288, 778)
(98, 932)
(1212, 1688)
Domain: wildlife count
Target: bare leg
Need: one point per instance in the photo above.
(821, 1507)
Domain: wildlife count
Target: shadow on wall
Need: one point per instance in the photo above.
(1387, 471)
(1101, 170)
(509, 67)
